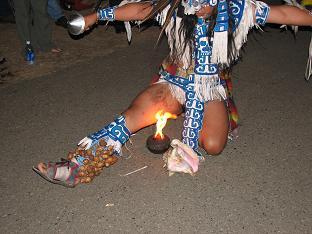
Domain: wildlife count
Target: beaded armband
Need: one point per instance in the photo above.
(262, 12)
(106, 14)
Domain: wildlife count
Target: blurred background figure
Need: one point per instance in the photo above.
(33, 25)
(56, 13)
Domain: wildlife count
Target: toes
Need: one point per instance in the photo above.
(42, 167)
(77, 181)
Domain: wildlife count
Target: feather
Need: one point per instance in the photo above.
(293, 3)
(160, 5)
(128, 30)
(308, 73)
(173, 7)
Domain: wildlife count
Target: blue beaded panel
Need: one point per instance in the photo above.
(262, 13)
(116, 130)
(107, 14)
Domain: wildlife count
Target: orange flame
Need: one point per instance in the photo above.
(161, 122)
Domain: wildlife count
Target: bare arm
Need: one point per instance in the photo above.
(133, 11)
(289, 15)
(128, 12)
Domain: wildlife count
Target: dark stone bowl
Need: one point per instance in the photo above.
(157, 145)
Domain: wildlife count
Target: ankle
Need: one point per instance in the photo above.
(114, 134)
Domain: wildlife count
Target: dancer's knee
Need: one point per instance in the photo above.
(213, 146)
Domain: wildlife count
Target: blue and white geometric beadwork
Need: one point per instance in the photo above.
(262, 12)
(116, 130)
(106, 14)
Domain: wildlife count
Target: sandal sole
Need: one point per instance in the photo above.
(51, 180)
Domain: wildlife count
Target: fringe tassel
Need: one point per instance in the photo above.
(185, 57)
(220, 47)
(127, 23)
(128, 30)
(240, 34)
(308, 72)
(168, 33)
(208, 88)
(178, 93)
(116, 145)
(161, 17)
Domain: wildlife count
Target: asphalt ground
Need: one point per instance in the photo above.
(261, 183)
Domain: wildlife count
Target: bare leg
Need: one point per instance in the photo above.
(213, 135)
(141, 112)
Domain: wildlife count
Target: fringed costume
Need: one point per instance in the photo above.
(202, 50)
(197, 68)
(200, 67)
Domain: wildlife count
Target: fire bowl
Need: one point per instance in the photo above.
(157, 145)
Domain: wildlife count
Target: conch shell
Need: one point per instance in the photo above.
(181, 158)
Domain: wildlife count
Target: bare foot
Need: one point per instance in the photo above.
(42, 167)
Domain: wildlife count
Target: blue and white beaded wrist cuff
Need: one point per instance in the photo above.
(262, 12)
(107, 14)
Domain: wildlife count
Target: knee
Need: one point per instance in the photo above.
(213, 146)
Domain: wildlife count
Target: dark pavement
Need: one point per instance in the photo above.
(261, 183)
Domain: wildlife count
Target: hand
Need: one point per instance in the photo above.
(90, 20)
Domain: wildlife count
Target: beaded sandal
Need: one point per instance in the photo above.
(52, 174)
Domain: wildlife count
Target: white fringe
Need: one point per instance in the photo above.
(175, 22)
(296, 4)
(178, 93)
(308, 72)
(241, 32)
(220, 48)
(161, 17)
(185, 57)
(208, 88)
(127, 23)
(128, 30)
(219, 54)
